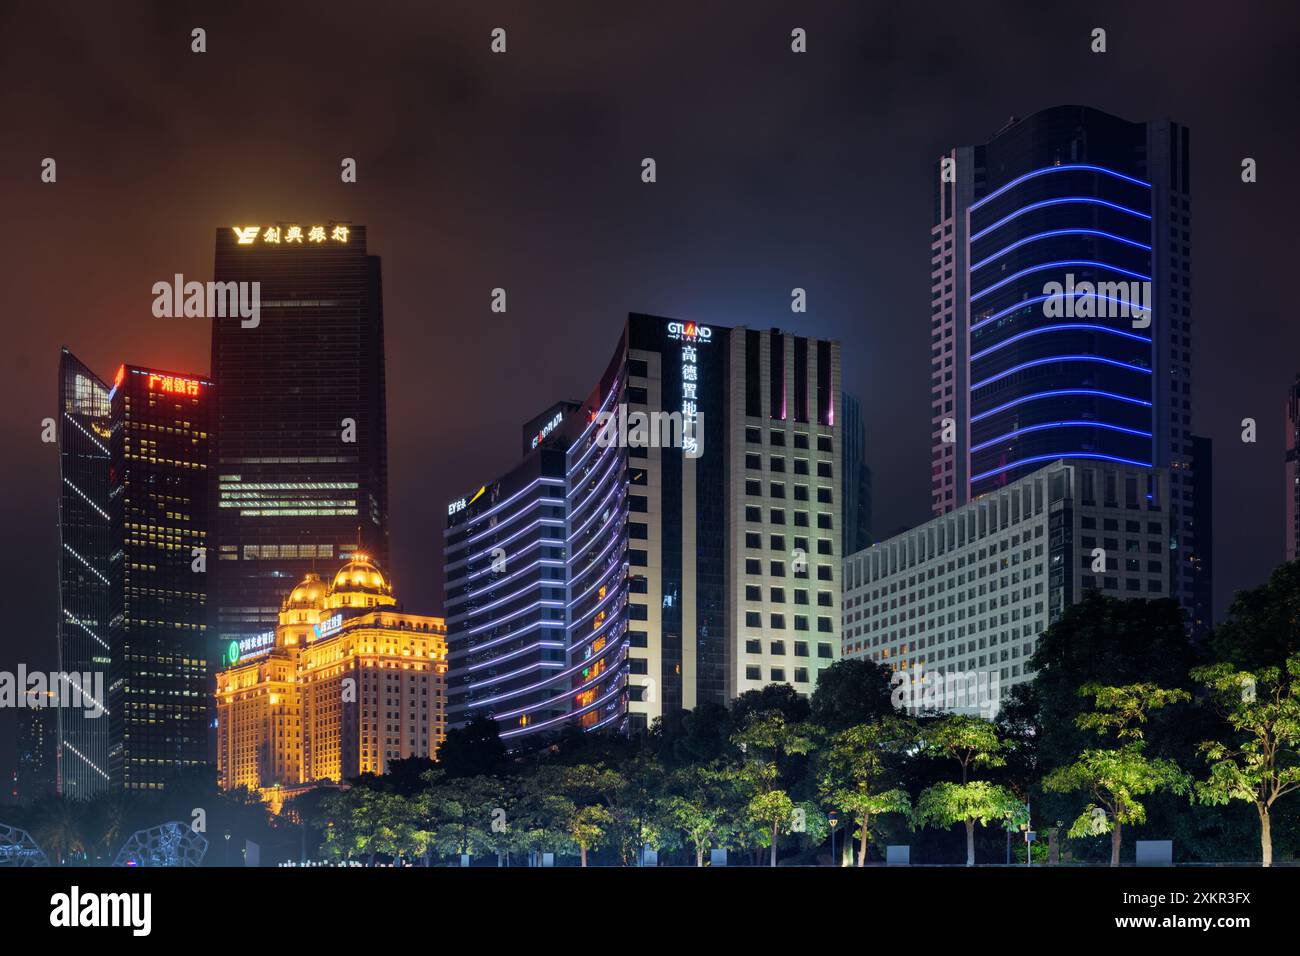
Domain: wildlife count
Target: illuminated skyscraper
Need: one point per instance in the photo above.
(161, 662)
(1041, 239)
(85, 544)
(612, 578)
(302, 452)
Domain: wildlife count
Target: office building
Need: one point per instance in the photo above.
(346, 683)
(1061, 311)
(161, 661)
(968, 594)
(35, 773)
(635, 563)
(85, 546)
(301, 462)
(856, 496)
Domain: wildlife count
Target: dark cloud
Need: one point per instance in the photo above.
(522, 170)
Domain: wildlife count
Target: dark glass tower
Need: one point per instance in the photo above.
(302, 451)
(162, 662)
(85, 544)
(856, 496)
(1021, 375)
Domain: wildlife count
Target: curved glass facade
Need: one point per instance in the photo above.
(1064, 370)
(536, 582)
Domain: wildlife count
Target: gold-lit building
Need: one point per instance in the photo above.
(346, 682)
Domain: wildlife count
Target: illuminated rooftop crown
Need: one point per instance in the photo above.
(309, 594)
(359, 582)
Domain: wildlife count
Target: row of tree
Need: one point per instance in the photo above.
(1128, 726)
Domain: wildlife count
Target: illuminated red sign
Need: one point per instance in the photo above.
(173, 384)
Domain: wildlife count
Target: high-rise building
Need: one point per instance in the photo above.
(85, 547)
(856, 496)
(161, 661)
(966, 596)
(302, 451)
(633, 564)
(347, 682)
(1044, 239)
(34, 773)
(1292, 470)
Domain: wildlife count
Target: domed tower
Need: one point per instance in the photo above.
(359, 584)
(302, 610)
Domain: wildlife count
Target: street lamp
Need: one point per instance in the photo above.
(834, 820)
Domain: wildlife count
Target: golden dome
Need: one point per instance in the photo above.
(360, 574)
(310, 593)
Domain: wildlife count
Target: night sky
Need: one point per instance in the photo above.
(522, 171)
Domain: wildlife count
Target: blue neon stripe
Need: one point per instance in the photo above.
(1059, 358)
(1062, 327)
(1016, 433)
(1056, 393)
(1017, 306)
(1057, 457)
(1059, 232)
(1072, 167)
(1052, 265)
(1057, 202)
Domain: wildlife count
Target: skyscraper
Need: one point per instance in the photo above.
(161, 661)
(629, 566)
(1043, 240)
(302, 451)
(857, 478)
(85, 544)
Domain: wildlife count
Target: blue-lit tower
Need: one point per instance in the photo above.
(1044, 241)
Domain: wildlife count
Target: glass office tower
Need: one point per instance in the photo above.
(1042, 237)
(162, 662)
(301, 459)
(85, 544)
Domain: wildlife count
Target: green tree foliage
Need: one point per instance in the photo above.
(1116, 777)
(1259, 762)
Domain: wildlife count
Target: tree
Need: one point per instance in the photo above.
(60, 827)
(852, 769)
(686, 737)
(783, 698)
(1263, 624)
(699, 804)
(460, 809)
(971, 742)
(473, 750)
(1116, 777)
(852, 691)
(1262, 763)
(766, 740)
(588, 827)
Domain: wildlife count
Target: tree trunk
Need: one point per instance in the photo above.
(774, 835)
(1266, 836)
(970, 842)
(583, 850)
(699, 856)
(1115, 838)
(862, 842)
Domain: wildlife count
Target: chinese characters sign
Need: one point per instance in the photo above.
(284, 235)
(173, 384)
